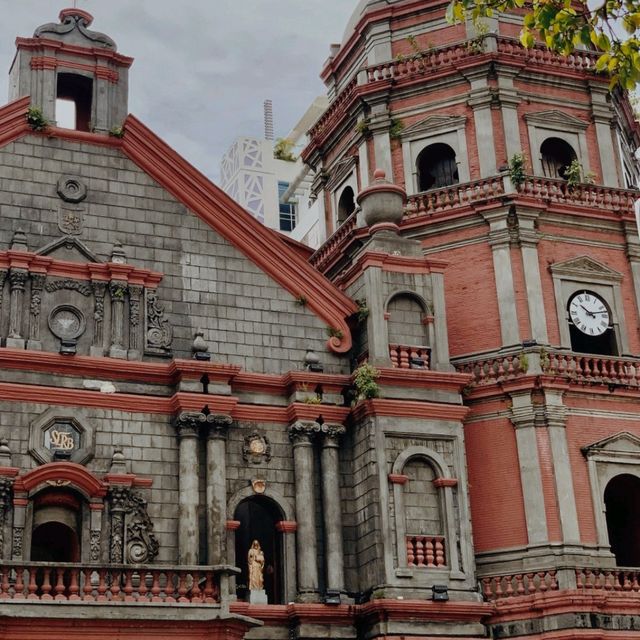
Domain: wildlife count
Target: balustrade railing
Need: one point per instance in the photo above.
(48, 582)
(426, 551)
(494, 369)
(407, 357)
(519, 584)
(595, 369)
(342, 233)
(608, 579)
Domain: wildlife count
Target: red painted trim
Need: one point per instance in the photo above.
(445, 482)
(49, 62)
(88, 137)
(92, 53)
(398, 478)
(287, 526)
(128, 480)
(9, 472)
(241, 229)
(20, 502)
(96, 506)
(423, 379)
(13, 120)
(410, 409)
(233, 525)
(70, 472)
(76, 12)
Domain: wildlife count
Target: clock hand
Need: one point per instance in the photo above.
(590, 313)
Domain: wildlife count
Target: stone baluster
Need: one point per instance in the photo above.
(97, 346)
(218, 426)
(117, 291)
(188, 427)
(37, 284)
(332, 504)
(17, 282)
(302, 435)
(135, 293)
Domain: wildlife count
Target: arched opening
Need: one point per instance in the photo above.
(79, 91)
(56, 532)
(436, 166)
(590, 325)
(424, 524)
(622, 503)
(556, 155)
(258, 517)
(405, 323)
(346, 204)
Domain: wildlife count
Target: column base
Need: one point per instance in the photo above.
(34, 345)
(15, 343)
(118, 352)
(258, 596)
(96, 352)
(133, 354)
(307, 597)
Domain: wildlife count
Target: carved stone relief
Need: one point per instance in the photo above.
(256, 448)
(159, 333)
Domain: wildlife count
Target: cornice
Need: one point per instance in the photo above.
(13, 120)
(232, 222)
(91, 53)
(410, 409)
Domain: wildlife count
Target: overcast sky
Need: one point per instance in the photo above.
(204, 67)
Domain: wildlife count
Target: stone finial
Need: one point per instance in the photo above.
(382, 203)
(19, 241)
(118, 461)
(312, 362)
(118, 256)
(5, 453)
(199, 347)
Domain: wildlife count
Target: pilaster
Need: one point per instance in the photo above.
(480, 100)
(17, 284)
(117, 290)
(37, 284)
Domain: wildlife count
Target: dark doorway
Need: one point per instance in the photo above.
(258, 517)
(622, 502)
(54, 542)
(437, 167)
(346, 205)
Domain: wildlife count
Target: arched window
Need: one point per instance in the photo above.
(405, 323)
(436, 166)
(346, 204)
(556, 155)
(622, 502)
(77, 90)
(258, 517)
(56, 532)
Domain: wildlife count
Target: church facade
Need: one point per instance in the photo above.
(429, 428)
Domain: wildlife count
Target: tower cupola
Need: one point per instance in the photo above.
(66, 67)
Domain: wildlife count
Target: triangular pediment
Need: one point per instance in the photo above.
(620, 444)
(70, 249)
(556, 119)
(435, 123)
(585, 268)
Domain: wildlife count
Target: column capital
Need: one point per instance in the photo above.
(18, 279)
(218, 426)
(117, 289)
(332, 433)
(303, 432)
(188, 424)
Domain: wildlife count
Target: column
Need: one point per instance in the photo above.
(117, 291)
(135, 293)
(17, 282)
(218, 427)
(332, 505)
(37, 284)
(119, 497)
(500, 247)
(523, 418)
(188, 425)
(302, 435)
(97, 346)
(480, 102)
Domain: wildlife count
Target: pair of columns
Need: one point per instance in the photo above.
(303, 436)
(190, 427)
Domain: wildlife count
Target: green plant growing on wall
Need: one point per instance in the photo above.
(396, 128)
(476, 45)
(363, 309)
(36, 119)
(116, 132)
(283, 150)
(545, 360)
(363, 127)
(335, 333)
(517, 169)
(301, 301)
(364, 379)
(573, 174)
(523, 363)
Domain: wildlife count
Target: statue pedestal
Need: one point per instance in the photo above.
(258, 596)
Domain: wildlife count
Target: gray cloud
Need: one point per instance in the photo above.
(203, 69)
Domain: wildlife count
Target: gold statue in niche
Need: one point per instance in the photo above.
(255, 560)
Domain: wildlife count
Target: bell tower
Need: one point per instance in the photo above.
(67, 62)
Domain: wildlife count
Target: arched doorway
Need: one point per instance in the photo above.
(556, 155)
(258, 517)
(55, 535)
(346, 205)
(622, 502)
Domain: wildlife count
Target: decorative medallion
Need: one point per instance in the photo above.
(72, 189)
(67, 322)
(256, 448)
(62, 436)
(70, 221)
(259, 486)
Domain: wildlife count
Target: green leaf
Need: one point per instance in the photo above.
(527, 40)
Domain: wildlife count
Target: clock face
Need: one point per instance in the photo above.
(589, 314)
